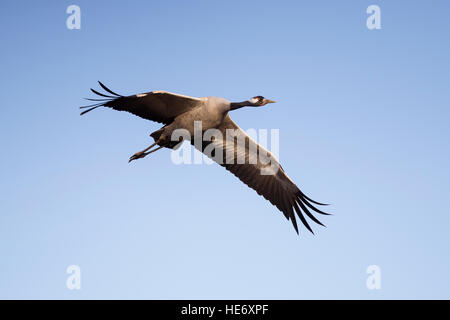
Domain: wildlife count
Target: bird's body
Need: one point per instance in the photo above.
(250, 162)
(211, 111)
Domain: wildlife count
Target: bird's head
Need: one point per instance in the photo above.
(259, 101)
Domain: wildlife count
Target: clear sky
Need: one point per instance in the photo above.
(364, 125)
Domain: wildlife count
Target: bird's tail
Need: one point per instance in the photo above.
(100, 102)
(156, 135)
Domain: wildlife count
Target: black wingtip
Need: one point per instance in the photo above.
(294, 223)
(291, 216)
(302, 199)
(308, 213)
(108, 90)
(86, 111)
(313, 201)
(302, 218)
(100, 102)
(90, 99)
(101, 94)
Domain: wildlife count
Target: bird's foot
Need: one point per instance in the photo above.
(137, 155)
(144, 153)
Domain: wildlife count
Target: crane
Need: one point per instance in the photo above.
(178, 111)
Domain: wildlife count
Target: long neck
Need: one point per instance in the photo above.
(237, 105)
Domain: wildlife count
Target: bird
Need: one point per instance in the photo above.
(176, 111)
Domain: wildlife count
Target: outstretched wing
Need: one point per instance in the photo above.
(159, 106)
(243, 161)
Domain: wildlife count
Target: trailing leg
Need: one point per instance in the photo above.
(144, 153)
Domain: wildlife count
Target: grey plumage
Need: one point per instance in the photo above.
(179, 112)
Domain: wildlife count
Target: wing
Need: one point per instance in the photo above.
(159, 106)
(243, 161)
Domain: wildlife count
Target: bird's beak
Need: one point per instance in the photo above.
(269, 101)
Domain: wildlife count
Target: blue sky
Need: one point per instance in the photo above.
(363, 118)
